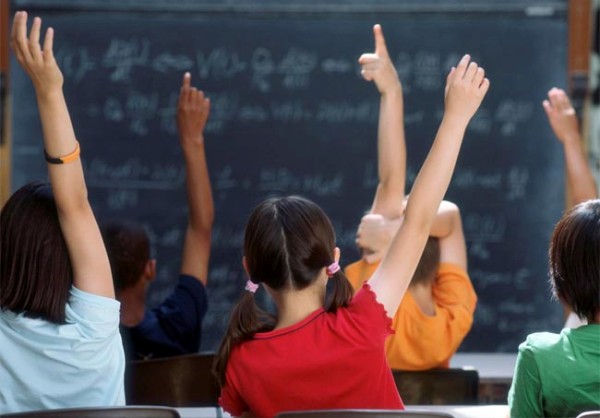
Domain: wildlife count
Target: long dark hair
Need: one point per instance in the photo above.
(35, 269)
(575, 259)
(287, 242)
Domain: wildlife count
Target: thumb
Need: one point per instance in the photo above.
(372, 258)
(380, 47)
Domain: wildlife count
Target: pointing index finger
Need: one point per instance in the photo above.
(187, 79)
(380, 47)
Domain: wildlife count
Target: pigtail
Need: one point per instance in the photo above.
(341, 294)
(246, 320)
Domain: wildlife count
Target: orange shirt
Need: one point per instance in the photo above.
(421, 341)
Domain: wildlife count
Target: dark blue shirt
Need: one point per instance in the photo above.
(172, 328)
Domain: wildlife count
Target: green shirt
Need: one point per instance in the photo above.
(557, 375)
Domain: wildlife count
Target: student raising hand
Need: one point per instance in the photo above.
(193, 110)
(391, 147)
(563, 120)
(57, 292)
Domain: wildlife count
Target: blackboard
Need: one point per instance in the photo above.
(290, 114)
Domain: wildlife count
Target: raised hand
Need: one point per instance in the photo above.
(561, 115)
(192, 113)
(378, 67)
(466, 87)
(38, 63)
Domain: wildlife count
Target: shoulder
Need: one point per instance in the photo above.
(96, 315)
(359, 272)
(539, 343)
(365, 315)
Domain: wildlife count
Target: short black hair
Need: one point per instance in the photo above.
(575, 259)
(128, 248)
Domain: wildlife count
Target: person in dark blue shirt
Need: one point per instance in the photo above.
(174, 327)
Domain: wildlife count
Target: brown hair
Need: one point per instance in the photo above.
(287, 242)
(35, 269)
(428, 264)
(575, 259)
(128, 249)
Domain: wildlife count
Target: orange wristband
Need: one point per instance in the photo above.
(66, 159)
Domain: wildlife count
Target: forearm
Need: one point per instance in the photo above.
(433, 179)
(67, 180)
(391, 152)
(199, 193)
(579, 176)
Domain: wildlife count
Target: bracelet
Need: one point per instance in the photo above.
(66, 159)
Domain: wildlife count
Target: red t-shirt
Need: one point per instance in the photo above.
(313, 364)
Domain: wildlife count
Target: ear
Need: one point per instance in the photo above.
(150, 270)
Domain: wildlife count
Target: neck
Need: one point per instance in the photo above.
(422, 293)
(595, 319)
(133, 305)
(295, 305)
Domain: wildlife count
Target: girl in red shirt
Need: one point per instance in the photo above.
(305, 357)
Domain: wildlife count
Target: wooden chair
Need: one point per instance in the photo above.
(181, 381)
(362, 413)
(104, 412)
(438, 386)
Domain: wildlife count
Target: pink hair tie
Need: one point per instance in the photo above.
(332, 268)
(251, 286)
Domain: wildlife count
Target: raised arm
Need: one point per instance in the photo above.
(563, 121)
(447, 226)
(192, 113)
(391, 148)
(91, 269)
(465, 89)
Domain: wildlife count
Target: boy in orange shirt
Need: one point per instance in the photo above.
(437, 311)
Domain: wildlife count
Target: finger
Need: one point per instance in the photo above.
(199, 99)
(450, 75)
(372, 66)
(461, 68)
(471, 71)
(547, 107)
(49, 44)
(207, 106)
(13, 31)
(368, 58)
(187, 80)
(380, 47)
(485, 86)
(22, 36)
(479, 76)
(553, 95)
(34, 39)
(367, 75)
(563, 100)
(192, 95)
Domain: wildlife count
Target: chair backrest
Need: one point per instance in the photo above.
(181, 381)
(589, 414)
(108, 412)
(362, 413)
(438, 386)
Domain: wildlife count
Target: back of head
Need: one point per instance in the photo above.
(35, 269)
(428, 264)
(128, 249)
(288, 241)
(575, 259)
